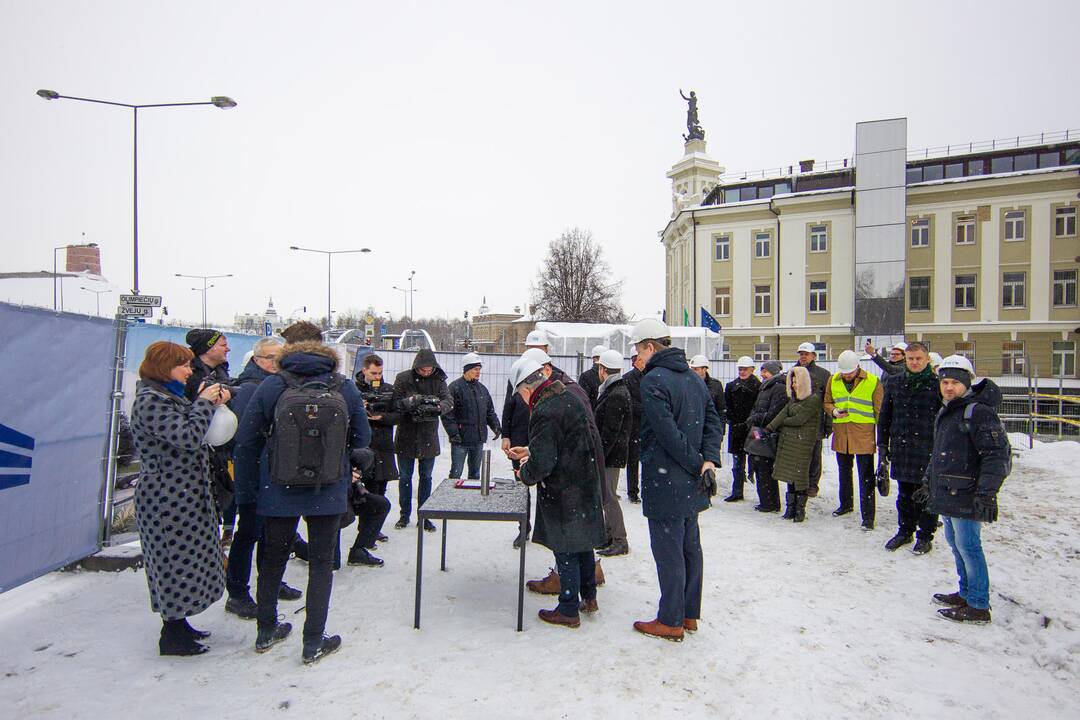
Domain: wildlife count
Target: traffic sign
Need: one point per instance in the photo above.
(141, 300)
(268, 329)
(134, 311)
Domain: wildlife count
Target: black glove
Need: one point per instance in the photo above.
(410, 402)
(922, 495)
(707, 483)
(497, 431)
(883, 453)
(986, 507)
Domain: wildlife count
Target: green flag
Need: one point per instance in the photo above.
(685, 317)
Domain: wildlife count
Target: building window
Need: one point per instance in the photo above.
(1012, 358)
(722, 301)
(819, 238)
(1065, 222)
(967, 349)
(1012, 289)
(920, 232)
(819, 297)
(1063, 360)
(762, 352)
(1015, 225)
(918, 294)
(762, 299)
(722, 248)
(725, 351)
(964, 292)
(822, 351)
(761, 244)
(1064, 288)
(965, 230)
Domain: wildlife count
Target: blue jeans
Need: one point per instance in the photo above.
(458, 453)
(405, 471)
(964, 537)
(676, 548)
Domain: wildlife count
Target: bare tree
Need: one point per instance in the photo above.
(574, 283)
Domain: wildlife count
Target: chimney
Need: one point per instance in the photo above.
(806, 166)
(82, 258)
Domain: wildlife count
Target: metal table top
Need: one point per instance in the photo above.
(508, 500)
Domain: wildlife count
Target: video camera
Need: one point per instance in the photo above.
(378, 402)
(424, 408)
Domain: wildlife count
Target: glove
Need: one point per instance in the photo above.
(410, 402)
(986, 507)
(883, 453)
(707, 483)
(497, 432)
(922, 495)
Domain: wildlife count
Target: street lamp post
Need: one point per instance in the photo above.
(408, 295)
(204, 288)
(219, 101)
(329, 255)
(97, 297)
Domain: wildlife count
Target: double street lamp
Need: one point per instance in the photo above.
(204, 288)
(219, 101)
(329, 255)
(97, 296)
(409, 305)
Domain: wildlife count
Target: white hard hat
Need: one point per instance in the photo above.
(598, 350)
(538, 355)
(611, 359)
(957, 362)
(746, 362)
(470, 359)
(699, 361)
(935, 359)
(848, 362)
(522, 368)
(648, 329)
(807, 347)
(537, 337)
(901, 346)
(222, 426)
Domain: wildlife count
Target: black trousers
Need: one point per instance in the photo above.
(867, 485)
(246, 540)
(815, 469)
(633, 465)
(370, 516)
(323, 531)
(910, 514)
(676, 548)
(768, 490)
(577, 578)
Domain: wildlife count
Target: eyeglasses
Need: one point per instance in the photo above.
(266, 357)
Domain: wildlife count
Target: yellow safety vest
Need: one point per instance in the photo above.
(859, 403)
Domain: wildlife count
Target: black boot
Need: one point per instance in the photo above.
(737, 481)
(194, 632)
(176, 640)
(789, 511)
(318, 649)
(285, 592)
(270, 636)
(800, 507)
(242, 606)
(867, 504)
(360, 556)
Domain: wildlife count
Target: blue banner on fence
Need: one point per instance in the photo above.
(55, 381)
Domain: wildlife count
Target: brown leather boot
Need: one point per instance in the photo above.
(588, 606)
(690, 625)
(599, 574)
(557, 618)
(655, 628)
(551, 585)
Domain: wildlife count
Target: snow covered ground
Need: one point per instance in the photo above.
(816, 620)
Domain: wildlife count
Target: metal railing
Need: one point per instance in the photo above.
(1009, 143)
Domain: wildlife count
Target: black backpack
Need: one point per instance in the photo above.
(310, 432)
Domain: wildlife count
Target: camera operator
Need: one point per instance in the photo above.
(382, 416)
(421, 396)
(369, 508)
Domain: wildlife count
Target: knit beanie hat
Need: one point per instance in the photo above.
(202, 339)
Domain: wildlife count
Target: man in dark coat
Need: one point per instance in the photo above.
(739, 397)
(382, 416)
(421, 396)
(590, 379)
(468, 422)
(680, 441)
(515, 413)
(700, 365)
(282, 505)
(613, 419)
(633, 455)
(561, 462)
(211, 347)
(969, 462)
(895, 364)
(905, 440)
(770, 401)
(819, 381)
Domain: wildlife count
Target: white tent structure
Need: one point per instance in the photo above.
(574, 338)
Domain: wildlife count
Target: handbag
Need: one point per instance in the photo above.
(760, 442)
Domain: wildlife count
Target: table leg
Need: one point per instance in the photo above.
(419, 569)
(521, 574)
(443, 566)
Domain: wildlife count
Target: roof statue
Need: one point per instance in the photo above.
(693, 126)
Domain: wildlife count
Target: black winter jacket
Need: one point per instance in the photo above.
(200, 371)
(716, 392)
(905, 425)
(771, 399)
(590, 383)
(968, 464)
(614, 410)
(633, 383)
(420, 439)
(569, 515)
(819, 381)
(473, 413)
(739, 398)
(888, 366)
(382, 430)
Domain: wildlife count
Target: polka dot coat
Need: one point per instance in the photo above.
(174, 507)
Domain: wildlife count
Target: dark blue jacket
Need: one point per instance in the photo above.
(245, 386)
(473, 413)
(680, 430)
(252, 466)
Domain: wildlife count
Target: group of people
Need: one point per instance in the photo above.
(310, 443)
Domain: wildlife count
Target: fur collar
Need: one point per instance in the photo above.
(310, 347)
(800, 378)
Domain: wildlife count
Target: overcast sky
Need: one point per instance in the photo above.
(457, 139)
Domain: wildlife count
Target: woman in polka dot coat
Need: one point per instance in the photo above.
(174, 507)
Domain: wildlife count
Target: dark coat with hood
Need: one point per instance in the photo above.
(771, 399)
(819, 381)
(245, 386)
(798, 426)
(590, 383)
(420, 440)
(569, 515)
(614, 419)
(970, 458)
(680, 430)
(905, 427)
(472, 414)
(307, 361)
(739, 399)
(632, 377)
(382, 433)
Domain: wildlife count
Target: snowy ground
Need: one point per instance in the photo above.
(818, 619)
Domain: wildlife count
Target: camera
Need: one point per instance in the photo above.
(425, 408)
(378, 402)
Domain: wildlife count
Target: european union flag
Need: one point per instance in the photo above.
(708, 321)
